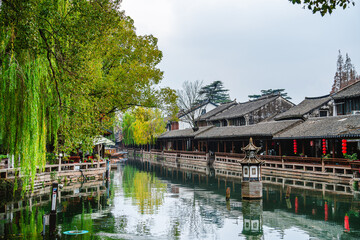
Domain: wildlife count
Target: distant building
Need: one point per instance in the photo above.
(185, 117)
(309, 107)
(203, 120)
(248, 113)
(347, 101)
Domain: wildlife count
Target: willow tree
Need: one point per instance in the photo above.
(142, 126)
(66, 67)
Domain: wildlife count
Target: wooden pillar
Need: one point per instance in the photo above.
(232, 146)
(207, 146)
(218, 143)
(224, 146)
(303, 146)
(280, 149)
(192, 145)
(176, 145)
(199, 149)
(333, 148)
(266, 147)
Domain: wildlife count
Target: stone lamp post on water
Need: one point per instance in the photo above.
(251, 184)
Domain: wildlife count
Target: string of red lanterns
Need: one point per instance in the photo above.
(344, 146)
(295, 146)
(324, 146)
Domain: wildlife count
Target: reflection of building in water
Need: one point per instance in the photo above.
(252, 211)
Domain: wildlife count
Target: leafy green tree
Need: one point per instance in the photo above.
(142, 126)
(270, 91)
(324, 6)
(65, 68)
(149, 124)
(215, 93)
(127, 127)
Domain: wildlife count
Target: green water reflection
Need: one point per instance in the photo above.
(145, 201)
(146, 190)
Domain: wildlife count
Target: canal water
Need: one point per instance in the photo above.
(144, 201)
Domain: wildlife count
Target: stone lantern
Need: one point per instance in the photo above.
(251, 185)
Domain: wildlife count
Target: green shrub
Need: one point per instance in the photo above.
(351, 157)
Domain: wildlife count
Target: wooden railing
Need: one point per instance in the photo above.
(280, 164)
(58, 168)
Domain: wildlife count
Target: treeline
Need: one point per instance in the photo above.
(345, 74)
(66, 68)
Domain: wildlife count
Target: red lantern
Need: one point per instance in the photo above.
(296, 205)
(295, 146)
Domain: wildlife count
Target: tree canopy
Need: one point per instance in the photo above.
(324, 6)
(142, 126)
(65, 68)
(215, 93)
(189, 98)
(270, 92)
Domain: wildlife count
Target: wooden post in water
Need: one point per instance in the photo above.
(107, 170)
(54, 193)
(227, 193)
(288, 191)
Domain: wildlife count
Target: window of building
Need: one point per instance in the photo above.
(323, 113)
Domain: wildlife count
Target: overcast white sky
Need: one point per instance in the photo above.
(249, 44)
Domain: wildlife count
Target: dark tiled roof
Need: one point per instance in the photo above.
(260, 129)
(243, 108)
(217, 110)
(352, 90)
(325, 127)
(306, 106)
(184, 133)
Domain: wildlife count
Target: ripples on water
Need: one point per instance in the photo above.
(160, 203)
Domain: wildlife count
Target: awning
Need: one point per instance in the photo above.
(102, 140)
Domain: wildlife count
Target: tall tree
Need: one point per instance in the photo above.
(345, 73)
(188, 98)
(324, 6)
(65, 68)
(215, 93)
(270, 91)
(127, 128)
(142, 126)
